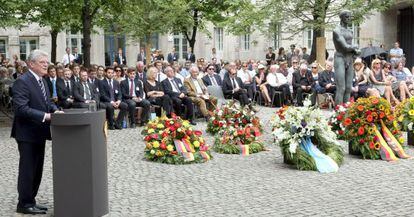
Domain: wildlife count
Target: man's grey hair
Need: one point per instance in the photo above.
(193, 68)
(274, 68)
(36, 55)
(303, 66)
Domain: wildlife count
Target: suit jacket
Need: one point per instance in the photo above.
(207, 81)
(191, 88)
(296, 79)
(74, 79)
(228, 86)
(95, 84)
(50, 85)
(119, 61)
(144, 76)
(172, 57)
(29, 107)
(78, 92)
(105, 90)
(78, 59)
(169, 90)
(141, 57)
(139, 89)
(62, 91)
(191, 58)
(326, 78)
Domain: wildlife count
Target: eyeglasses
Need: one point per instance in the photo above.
(294, 62)
(210, 69)
(314, 67)
(118, 70)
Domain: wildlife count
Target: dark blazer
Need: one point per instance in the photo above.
(50, 85)
(228, 87)
(144, 76)
(207, 81)
(79, 59)
(192, 58)
(172, 57)
(326, 78)
(74, 79)
(296, 79)
(119, 61)
(62, 91)
(139, 89)
(105, 90)
(78, 92)
(95, 84)
(169, 90)
(29, 108)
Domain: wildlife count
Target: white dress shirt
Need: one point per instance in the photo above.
(66, 57)
(276, 79)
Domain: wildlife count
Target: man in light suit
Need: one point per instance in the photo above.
(198, 92)
(31, 129)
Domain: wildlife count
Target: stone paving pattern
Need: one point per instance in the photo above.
(229, 185)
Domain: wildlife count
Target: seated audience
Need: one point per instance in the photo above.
(327, 78)
(276, 81)
(64, 89)
(381, 82)
(211, 78)
(261, 83)
(84, 93)
(155, 92)
(247, 79)
(400, 81)
(302, 83)
(233, 87)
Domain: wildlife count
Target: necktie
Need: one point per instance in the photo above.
(87, 92)
(233, 83)
(131, 88)
(42, 87)
(68, 86)
(111, 90)
(175, 85)
(54, 94)
(159, 77)
(213, 80)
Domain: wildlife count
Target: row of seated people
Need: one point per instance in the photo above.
(170, 94)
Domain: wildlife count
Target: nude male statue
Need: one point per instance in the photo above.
(344, 57)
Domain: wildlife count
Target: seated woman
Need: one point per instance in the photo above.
(261, 83)
(155, 93)
(400, 79)
(381, 82)
(362, 87)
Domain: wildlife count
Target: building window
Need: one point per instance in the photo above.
(180, 45)
(74, 39)
(3, 47)
(218, 35)
(276, 32)
(27, 44)
(308, 37)
(246, 42)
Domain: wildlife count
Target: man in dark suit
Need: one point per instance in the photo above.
(327, 78)
(78, 57)
(84, 92)
(132, 90)
(141, 56)
(92, 78)
(190, 56)
(302, 82)
(64, 89)
(233, 88)
(172, 57)
(120, 58)
(211, 78)
(111, 96)
(31, 129)
(174, 88)
(51, 81)
(75, 68)
(141, 74)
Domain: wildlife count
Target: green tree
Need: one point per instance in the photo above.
(318, 15)
(194, 15)
(140, 19)
(13, 14)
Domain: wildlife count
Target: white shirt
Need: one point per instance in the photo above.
(276, 79)
(197, 86)
(65, 59)
(37, 79)
(173, 83)
(245, 76)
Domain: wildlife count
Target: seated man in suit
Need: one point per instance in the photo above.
(211, 78)
(198, 92)
(84, 92)
(178, 93)
(110, 95)
(132, 90)
(51, 82)
(233, 88)
(302, 82)
(327, 78)
(64, 88)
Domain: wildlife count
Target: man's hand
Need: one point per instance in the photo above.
(182, 95)
(303, 87)
(328, 86)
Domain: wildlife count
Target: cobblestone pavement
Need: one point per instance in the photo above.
(230, 185)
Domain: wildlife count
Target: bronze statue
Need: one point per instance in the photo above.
(344, 57)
